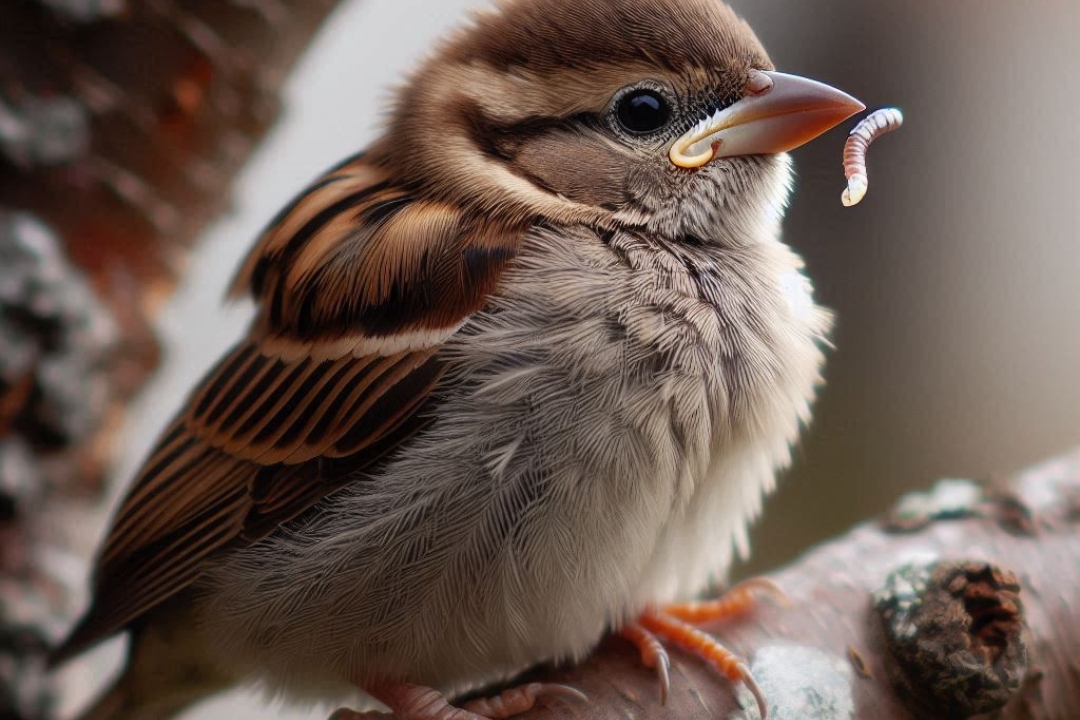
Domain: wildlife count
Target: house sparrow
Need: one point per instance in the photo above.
(521, 373)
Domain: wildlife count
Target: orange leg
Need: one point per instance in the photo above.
(736, 601)
(417, 702)
(675, 624)
(683, 635)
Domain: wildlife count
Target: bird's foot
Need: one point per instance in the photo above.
(417, 702)
(675, 624)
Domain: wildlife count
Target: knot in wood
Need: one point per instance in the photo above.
(955, 634)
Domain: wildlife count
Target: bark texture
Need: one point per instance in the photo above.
(122, 125)
(964, 602)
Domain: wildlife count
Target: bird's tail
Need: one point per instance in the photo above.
(126, 700)
(159, 681)
(129, 699)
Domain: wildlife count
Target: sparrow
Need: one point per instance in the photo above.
(520, 375)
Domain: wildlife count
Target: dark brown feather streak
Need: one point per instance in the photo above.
(267, 435)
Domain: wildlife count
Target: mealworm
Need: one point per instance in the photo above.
(870, 129)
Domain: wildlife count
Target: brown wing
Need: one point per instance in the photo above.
(358, 283)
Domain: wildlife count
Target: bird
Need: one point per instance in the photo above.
(520, 375)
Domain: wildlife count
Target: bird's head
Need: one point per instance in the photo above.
(665, 114)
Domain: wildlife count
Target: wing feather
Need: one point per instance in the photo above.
(358, 283)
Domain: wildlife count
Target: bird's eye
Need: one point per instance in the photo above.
(642, 111)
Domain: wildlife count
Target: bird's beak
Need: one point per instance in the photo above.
(777, 113)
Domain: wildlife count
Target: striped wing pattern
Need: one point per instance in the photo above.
(358, 283)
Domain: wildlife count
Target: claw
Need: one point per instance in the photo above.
(653, 655)
(563, 692)
(684, 635)
(676, 624)
(768, 587)
(663, 667)
(755, 690)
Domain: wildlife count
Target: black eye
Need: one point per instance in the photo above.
(642, 111)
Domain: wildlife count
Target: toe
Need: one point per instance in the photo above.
(683, 635)
(737, 601)
(521, 699)
(652, 653)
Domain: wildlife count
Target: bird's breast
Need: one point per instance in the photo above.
(664, 385)
(601, 422)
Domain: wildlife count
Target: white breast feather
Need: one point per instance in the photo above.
(578, 475)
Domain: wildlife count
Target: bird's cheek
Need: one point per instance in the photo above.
(581, 168)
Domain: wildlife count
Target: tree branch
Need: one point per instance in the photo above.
(963, 601)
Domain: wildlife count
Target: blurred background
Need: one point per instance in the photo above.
(956, 282)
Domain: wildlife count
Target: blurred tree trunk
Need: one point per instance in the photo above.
(122, 126)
